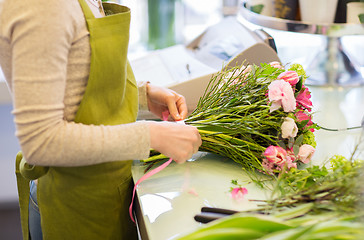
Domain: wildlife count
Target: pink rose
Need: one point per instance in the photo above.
(290, 76)
(302, 116)
(289, 128)
(276, 64)
(239, 193)
(303, 99)
(280, 93)
(278, 159)
(275, 154)
(305, 153)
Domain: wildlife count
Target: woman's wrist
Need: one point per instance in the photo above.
(143, 95)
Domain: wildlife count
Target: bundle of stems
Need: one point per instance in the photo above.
(233, 116)
(337, 189)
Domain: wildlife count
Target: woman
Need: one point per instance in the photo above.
(75, 107)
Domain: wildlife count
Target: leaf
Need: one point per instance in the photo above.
(224, 233)
(361, 17)
(295, 212)
(257, 8)
(299, 84)
(290, 234)
(256, 222)
(290, 142)
(296, 149)
(282, 145)
(299, 140)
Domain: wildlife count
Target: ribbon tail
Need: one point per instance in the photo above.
(144, 177)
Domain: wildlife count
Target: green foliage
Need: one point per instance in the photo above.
(335, 189)
(255, 226)
(309, 138)
(300, 71)
(314, 203)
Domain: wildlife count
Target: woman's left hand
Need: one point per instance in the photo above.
(161, 99)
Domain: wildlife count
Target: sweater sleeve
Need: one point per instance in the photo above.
(143, 103)
(41, 34)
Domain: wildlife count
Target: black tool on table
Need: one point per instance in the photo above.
(209, 214)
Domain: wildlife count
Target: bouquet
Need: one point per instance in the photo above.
(258, 116)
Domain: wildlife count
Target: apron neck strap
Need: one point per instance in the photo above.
(86, 10)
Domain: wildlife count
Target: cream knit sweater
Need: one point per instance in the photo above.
(45, 56)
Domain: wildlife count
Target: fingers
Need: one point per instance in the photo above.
(173, 111)
(160, 99)
(182, 107)
(187, 153)
(177, 106)
(177, 141)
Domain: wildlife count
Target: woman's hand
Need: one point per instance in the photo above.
(177, 141)
(161, 99)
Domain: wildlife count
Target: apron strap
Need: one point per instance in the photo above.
(23, 192)
(86, 10)
(24, 173)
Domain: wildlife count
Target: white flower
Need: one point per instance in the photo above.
(289, 128)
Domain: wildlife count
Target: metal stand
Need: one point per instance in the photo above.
(332, 65)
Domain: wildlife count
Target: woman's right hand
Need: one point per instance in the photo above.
(174, 140)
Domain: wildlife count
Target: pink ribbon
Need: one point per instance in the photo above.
(148, 174)
(144, 177)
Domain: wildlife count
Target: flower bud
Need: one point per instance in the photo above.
(290, 76)
(276, 64)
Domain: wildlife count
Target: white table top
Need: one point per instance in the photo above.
(170, 199)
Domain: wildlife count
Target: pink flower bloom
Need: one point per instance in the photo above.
(305, 153)
(275, 154)
(276, 64)
(239, 193)
(303, 116)
(290, 76)
(280, 93)
(303, 99)
(287, 164)
(289, 128)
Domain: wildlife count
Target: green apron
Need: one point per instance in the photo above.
(91, 202)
